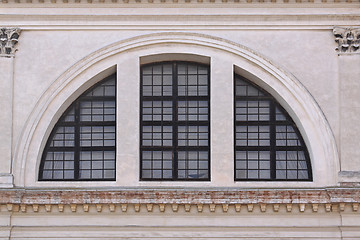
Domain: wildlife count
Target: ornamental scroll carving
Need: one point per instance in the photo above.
(348, 39)
(8, 39)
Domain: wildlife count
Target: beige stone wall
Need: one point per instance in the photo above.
(286, 47)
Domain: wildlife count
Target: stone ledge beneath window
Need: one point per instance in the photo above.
(349, 178)
(6, 180)
(326, 200)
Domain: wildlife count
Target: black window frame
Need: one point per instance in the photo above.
(77, 124)
(272, 123)
(175, 99)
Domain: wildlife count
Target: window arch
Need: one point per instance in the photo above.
(82, 145)
(175, 121)
(268, 145)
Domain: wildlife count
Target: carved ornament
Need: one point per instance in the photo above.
(8, 40)
(348, 39)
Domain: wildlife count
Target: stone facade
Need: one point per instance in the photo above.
(305, 53)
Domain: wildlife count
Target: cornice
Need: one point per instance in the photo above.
(218, 19)
(188, 3)
(326, 200)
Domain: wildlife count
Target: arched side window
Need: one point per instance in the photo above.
(82, 145)
(175, 121)
(268, 145)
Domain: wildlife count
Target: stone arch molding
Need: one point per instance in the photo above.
(285, 87)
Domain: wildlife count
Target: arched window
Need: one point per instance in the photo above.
(175, 98)
(82, 144)
(175, 131)
(268, 145)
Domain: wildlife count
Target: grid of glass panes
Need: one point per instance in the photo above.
(268, 146)
(83, 142)
(253, 164)
(193, 164)
(291, 165)
(175, 121)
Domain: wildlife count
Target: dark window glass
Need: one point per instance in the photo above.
(175, 126)
(268, 145)
(83, 142)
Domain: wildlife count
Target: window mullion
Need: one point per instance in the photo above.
(175, 121)
(77, 142)
(272, 141)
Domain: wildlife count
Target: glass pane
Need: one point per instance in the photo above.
(108, 88)
(64, 137)
(193, 110)
(157, 111)
(157, 136)
(157, 164)
(193, 135)
(193, 164)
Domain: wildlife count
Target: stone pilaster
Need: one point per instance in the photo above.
(348, 40)
(8, 41)
(222, 140)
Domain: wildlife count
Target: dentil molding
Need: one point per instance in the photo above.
(8, 40)
(348, 39)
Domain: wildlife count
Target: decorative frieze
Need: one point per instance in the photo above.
(212, 207)
(257, 202)
(86, 207)
(98, 207)
(35, 207)
(149, 207)
(184, 208)
(315, 207)
(276, 207)
(61, 207)
(112, 207)
(8, 40)
(355, 207)
(348, 39)
(162, 207)
(124, 207)
(237, 207)
(48, 207)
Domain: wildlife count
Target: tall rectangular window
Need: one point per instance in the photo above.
(175, 121)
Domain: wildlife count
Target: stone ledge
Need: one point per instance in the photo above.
(6, 180)
(181, 196)
(349, 178)
(187, 2)
(194, 208)
(327, 200)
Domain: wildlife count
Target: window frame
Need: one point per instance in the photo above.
(77, 125)
(272, 148)
(175, 99)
